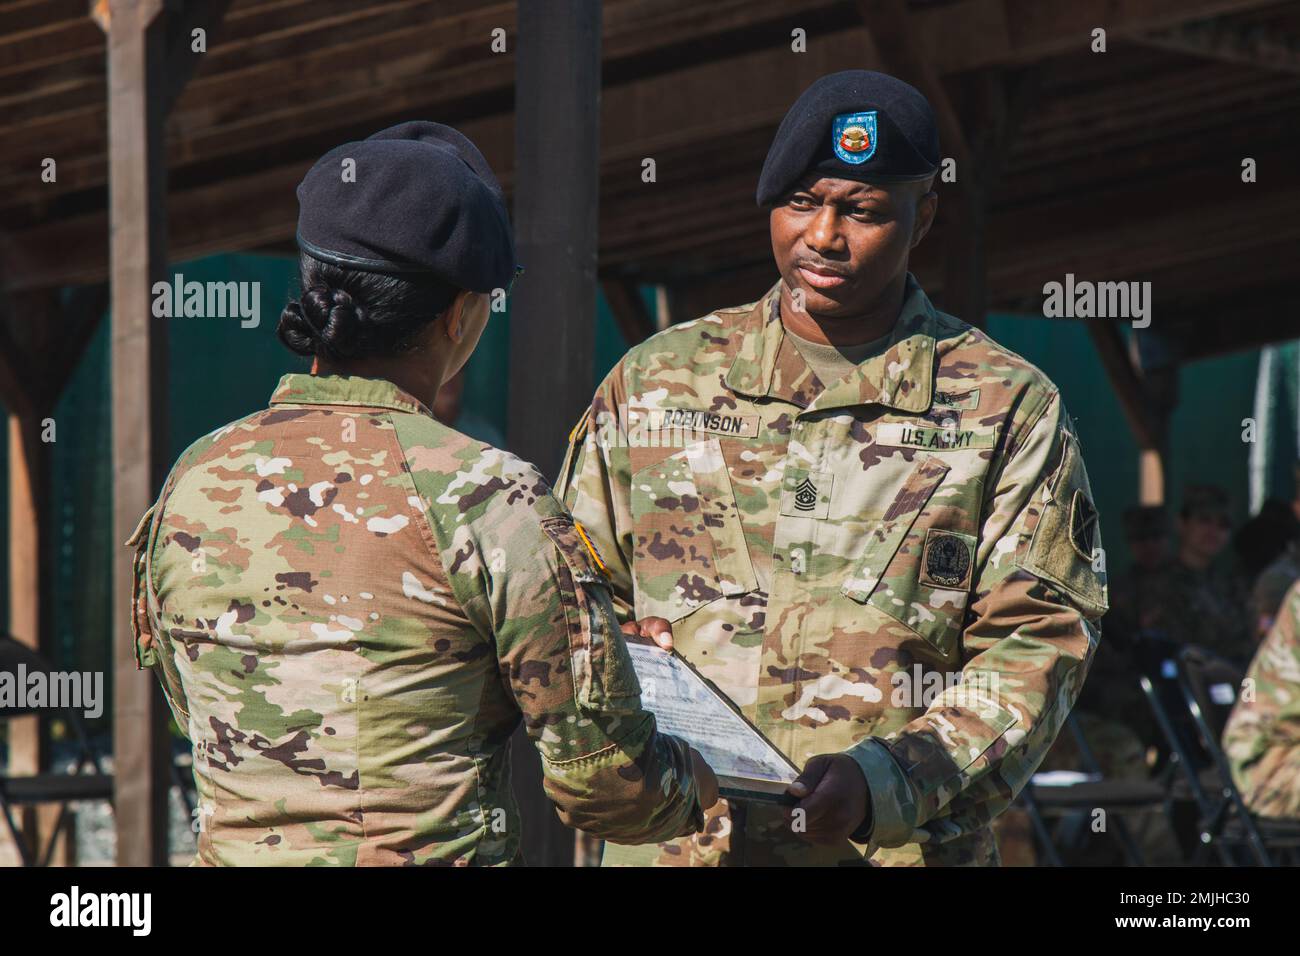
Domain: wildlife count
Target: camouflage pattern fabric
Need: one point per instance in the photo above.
(1204, 608)
(830, 553)
(1262, 738)
(351, 607)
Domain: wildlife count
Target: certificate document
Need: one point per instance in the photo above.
(687, 705)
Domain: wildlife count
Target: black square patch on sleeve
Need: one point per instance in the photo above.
(947, 559)
(1083, 525)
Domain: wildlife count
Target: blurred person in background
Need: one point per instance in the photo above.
(1191, 601)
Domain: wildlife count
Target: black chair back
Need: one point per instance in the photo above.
(1213, 684)
(19, 661)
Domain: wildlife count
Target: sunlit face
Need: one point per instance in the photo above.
(842, 242)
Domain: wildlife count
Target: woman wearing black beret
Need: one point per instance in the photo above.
(351, 606)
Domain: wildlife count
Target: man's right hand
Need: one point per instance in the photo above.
(705, 781)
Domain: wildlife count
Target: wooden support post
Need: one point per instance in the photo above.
(1146, 411)
(1151, 477)
(630, 313)
(1160, 385)
(553, 315)
(663, 308)
(137, 191)
(1138, 406)
(27, 465)
(28, 482)
(39, 339)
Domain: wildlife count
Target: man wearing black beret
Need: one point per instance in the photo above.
(868, 523)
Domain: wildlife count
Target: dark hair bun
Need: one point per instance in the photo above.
(347, 314)
(323, 322)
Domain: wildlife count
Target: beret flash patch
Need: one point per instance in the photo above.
(853, 137)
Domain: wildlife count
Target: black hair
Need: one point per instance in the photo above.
(347, 314)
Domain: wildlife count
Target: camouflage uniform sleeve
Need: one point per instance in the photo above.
(1262, 738)
(535, 588)
(151, 648)
(1027, 645)
(595, 485)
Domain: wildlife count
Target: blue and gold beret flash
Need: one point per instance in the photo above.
(424, 201)
(857, 124)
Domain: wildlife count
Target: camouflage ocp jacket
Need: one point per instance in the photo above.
(898, 565)
(351, 607)
(1262, 737)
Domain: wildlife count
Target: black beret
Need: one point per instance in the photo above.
(424, 201)
(857, 124)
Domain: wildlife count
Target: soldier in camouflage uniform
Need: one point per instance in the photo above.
(829, 550)
(1189, 601)
(351, 606)
(1262, 738)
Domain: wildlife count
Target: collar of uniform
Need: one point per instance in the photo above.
(298, 388)
(901, 377)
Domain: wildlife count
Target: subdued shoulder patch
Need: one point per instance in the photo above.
(1083, 525)
(1065, 541)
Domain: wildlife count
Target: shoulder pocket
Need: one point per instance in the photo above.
(1066, 538)
(603, 676)
(141, 630)
(689, 544)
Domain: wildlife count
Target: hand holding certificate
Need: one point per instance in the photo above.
(687, 705)
(830, 797)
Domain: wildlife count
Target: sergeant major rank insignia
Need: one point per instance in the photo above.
(805, 496)
(853, 136)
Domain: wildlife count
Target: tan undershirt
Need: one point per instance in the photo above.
(834, 362)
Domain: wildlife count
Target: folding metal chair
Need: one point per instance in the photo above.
(41, 788)
(1197, 768)
(1114, 796)
(1209, 685)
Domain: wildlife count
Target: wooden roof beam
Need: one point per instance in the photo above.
(1222, 39)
